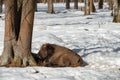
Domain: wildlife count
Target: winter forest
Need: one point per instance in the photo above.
(59, 39)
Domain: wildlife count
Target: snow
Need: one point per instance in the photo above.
(94, 37)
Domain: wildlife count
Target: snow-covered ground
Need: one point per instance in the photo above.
(94, 37)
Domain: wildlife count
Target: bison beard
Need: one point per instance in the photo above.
(57, 56)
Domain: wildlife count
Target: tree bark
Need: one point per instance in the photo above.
(75, 4)
(50, 6)
(110, 2)
(81, 0)
(100, 4)
(36, 5)
(18, 33)
(87, 7)
(23, 45)
(7, 55)
(92, 7)
(1, 2)
(116, 17)
(67, 4)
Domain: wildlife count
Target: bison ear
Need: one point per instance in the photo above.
(50, 49)
(44, 46)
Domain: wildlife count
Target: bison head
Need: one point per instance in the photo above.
(46, 51)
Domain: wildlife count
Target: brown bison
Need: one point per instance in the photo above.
(57, 56)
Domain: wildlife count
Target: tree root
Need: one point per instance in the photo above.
(18, 61)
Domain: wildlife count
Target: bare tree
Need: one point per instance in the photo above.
(67, 4)
(1, 2)
(100, 3)
(87, 7)
(36, 1)
(50, 6)
(110, 2)
(92, 7)
(75, 4)
(81, 0)
(116, 11)
(19, 17)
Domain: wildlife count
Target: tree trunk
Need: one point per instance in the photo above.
(67, 4)
(87, 7)
(100, 4)
(50, 6)
(75, 4)
(18, 37)
(116, 11)
(92, 7)
(7, 55)
(1, 2)
(81, 0)
(23, 45)
(110, 2)
(105, 0)
(36, 5)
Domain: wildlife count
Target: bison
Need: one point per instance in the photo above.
(57, 56)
